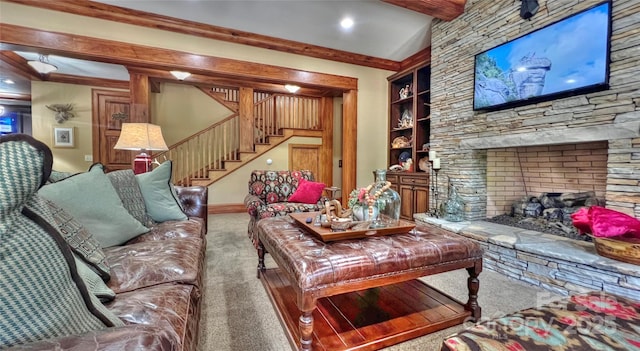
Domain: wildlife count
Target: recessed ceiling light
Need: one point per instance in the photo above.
(8, 81)
(346, 22)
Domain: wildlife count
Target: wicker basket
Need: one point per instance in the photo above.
(621, 249)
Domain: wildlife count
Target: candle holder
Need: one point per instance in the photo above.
(435, 168)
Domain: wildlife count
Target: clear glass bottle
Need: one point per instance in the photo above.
(387, 202)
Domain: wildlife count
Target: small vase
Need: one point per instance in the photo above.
(361, 213)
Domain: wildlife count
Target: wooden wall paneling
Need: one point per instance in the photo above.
(246, 119)
(349, 142)
(129, 54)
(146, 19)
(326, 153)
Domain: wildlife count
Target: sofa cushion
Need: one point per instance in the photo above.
(159, 196)
(308, 192)
(91, 199)
(191, 228)
(128, 189)
(151, 263)
(80, 240)
(284, 208)
(174, 307)
(41, 293)
(130, 337)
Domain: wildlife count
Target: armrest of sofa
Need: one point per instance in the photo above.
(254, 204)
(130, 337)
(194, 200)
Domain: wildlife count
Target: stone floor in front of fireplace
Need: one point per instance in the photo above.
(557, 263)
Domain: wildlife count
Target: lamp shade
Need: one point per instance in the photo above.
(140, 136)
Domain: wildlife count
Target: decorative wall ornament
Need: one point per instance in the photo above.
(119, 116)
(62, 112)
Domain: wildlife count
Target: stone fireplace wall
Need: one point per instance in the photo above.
(567, 168)
(463, 137)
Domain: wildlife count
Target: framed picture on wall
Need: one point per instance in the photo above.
(63, 137)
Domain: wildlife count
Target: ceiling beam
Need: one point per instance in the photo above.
(129, 54)
(208, 81)
(443, 9)
(150, 20)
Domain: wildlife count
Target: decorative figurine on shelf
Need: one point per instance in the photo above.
(405, 92)
(406, 121)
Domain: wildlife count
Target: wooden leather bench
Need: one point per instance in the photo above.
(349, 293)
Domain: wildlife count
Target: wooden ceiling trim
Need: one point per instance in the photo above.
(146, 19)
(18, 65)
(90, 81)
(128, 54)
(443, 9)
(15, 97)
(419, 58)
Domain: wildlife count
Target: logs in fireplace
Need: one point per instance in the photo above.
(549, 213)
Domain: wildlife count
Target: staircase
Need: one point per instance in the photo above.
(213, 153)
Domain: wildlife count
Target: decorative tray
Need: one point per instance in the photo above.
(327, 234)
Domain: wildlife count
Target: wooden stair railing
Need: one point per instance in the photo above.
(209, 149)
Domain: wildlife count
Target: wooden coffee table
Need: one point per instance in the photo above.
(363, 294)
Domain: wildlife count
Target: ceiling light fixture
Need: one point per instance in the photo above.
(42, 65)
(292, 88)
(346, 22)
(180, 75)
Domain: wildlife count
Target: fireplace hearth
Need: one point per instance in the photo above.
(549, 213)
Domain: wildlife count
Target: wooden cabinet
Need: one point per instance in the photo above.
(409, 136)
(414, 192)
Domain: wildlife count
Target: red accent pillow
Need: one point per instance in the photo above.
(307, 192)
(608, 223)
(603, 222)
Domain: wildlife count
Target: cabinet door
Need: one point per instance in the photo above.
(406, 202)
(421, 199)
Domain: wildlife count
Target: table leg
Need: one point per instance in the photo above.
(306, 330)
(473, 284)
(261, 266)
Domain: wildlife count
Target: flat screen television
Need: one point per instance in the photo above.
(565, 58)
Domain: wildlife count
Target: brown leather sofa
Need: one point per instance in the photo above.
(157, 278)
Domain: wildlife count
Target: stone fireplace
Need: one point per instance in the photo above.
(586, 142)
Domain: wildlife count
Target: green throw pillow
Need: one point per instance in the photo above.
(159, 195)
(91, 199)
(41, 293)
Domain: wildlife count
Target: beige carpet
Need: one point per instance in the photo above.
(237, 314)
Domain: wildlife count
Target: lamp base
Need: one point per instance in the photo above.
(142, 163)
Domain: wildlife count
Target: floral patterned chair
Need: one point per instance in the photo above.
(269, 192)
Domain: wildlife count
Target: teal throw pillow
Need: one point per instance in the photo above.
(91, 199)
(159, 195)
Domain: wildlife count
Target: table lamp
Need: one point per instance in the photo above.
(141, 137)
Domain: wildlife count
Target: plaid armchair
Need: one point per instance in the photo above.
(268, 196)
